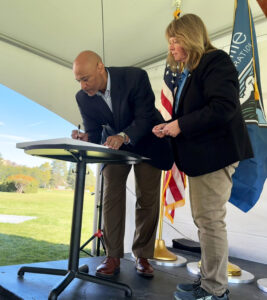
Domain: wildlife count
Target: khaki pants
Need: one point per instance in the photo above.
(209, 194)
(147, 182)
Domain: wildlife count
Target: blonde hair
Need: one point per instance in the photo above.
(191, 33)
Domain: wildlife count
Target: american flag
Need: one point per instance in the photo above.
(174, 181)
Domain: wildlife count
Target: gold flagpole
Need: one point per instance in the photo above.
(161, 252)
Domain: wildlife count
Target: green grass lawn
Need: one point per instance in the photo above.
(47, 237)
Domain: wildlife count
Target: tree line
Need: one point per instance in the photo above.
(56, 174)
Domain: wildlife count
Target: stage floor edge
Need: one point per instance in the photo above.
(160, 287)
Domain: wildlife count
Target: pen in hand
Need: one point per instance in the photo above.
(78, 134)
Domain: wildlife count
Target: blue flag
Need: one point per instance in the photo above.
(251, 174)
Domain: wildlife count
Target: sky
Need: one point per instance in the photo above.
(23, 120)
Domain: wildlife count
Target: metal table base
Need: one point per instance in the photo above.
(74, 271)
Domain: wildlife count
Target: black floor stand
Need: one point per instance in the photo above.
(99, 233)
(74, 271)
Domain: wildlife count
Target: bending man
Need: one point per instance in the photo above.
(118, 110)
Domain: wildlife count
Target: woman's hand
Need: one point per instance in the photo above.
(172, 129)
(158, 130)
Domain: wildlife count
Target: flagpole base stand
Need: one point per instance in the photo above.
(162, 253)
(193, 268)
(262, 284)
(245, 277)
(164, 257)
(179, 262)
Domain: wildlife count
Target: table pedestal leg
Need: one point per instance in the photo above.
(73, 264)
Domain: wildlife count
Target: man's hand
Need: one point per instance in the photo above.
(158, 130)
(114, 142)
(76, 135)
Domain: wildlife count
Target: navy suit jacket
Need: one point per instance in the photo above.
(213, 133)
(133, 112)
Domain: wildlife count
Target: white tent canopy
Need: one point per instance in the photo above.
(40, 39)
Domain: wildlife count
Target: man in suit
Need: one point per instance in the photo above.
(118, 110)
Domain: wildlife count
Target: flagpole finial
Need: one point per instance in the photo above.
(177, 12)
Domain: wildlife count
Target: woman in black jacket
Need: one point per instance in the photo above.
(209, 138)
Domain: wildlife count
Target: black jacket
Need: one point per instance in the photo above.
(134, 112)
(213, 133)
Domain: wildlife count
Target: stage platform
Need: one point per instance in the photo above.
(161, 287)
